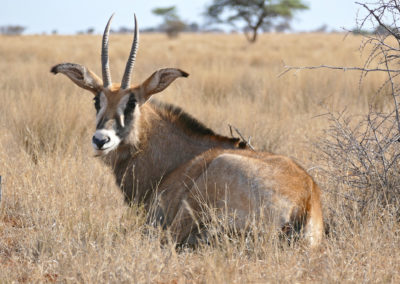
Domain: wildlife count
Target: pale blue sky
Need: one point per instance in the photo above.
(70, 16)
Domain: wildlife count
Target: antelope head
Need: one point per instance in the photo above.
(117, 106)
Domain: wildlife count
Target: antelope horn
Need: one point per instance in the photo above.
(126, 80)
(105, 66)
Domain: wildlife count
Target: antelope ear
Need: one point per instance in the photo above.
(159, 81)
(80, 75)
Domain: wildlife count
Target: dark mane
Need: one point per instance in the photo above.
(191, 125)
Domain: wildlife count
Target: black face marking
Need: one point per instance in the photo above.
(130, 105)
(97, 103)
(102, 123)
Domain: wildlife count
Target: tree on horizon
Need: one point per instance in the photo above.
(257, 14)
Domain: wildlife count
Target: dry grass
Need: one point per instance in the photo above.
(63, 219)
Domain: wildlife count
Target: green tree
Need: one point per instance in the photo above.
(257, 14)
(12, 30)
(172, 24)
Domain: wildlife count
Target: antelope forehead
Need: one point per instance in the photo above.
(115, 102)
(109, 104)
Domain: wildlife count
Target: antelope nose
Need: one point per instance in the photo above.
(100, 141)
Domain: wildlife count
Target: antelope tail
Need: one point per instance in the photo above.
(314, 227)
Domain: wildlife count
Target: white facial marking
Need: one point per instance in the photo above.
(103, 107)
(122, 120)
(121, 108)
(113, 142)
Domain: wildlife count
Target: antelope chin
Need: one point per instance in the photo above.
(103, 152)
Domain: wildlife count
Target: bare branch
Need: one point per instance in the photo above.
(366, 70)
(247, 141)
(378, 18)
(393, 92)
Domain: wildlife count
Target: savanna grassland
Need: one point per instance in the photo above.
(62, 218)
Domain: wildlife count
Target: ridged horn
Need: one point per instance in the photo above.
(126, 80)
(105, 66)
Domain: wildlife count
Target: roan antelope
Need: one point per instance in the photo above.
(167, 160)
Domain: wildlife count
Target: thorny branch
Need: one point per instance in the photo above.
(363, 154)
(366, 70)
(241, 136)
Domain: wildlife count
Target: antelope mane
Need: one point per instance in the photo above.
(190, 125)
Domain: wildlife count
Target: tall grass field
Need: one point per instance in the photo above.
(63, 219)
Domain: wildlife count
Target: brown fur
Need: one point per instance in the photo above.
(171, 165)
(176, 166)
(166, 141)
(192, 126)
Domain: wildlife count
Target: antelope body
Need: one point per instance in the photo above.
(170, 162)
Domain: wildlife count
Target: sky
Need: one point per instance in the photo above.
(71, 16)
